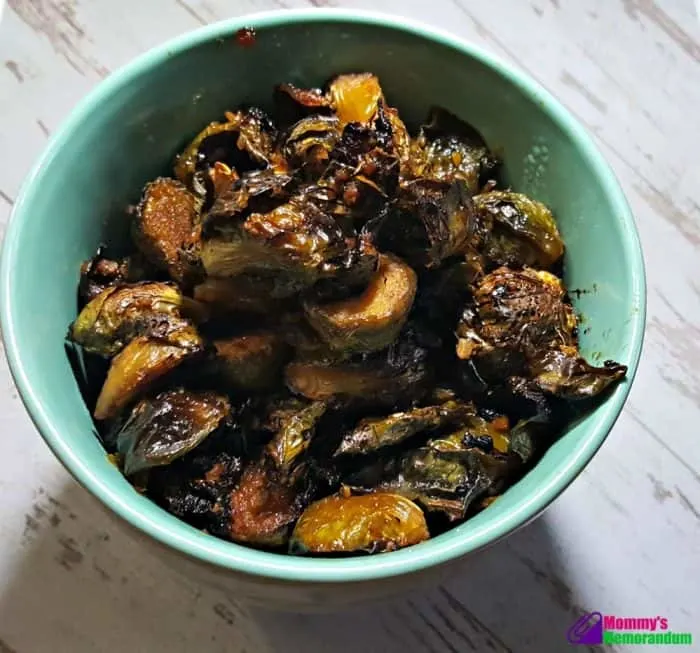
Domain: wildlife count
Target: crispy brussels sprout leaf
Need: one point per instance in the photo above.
(524, 231)
(143, 361)
(372, 320)
(263, 507)
(371, 523)
(99, 273)
(167, 228)
(294, 434)
(564, 373)
(448, 149)
(245, 141)
(166, 427)
(310, 141)
(251, 362)
(118, 314)
(373, 433)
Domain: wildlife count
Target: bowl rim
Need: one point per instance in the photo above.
(169, 530)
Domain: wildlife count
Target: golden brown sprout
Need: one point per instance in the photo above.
(372, 523)
(167, 228)
(120, 313)
(374, 319)
(263, 507)
(142, 362)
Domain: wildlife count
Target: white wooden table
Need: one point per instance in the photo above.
(624, 539)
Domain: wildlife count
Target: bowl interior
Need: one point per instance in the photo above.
(128, 131)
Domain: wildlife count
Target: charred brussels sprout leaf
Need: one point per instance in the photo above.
(167, 228)
(120, 313)
(245, 141)
(523, 231)
(166, 427)
(310, 141)
(376, 432)
(370, 523)
(294, 434)
(373, 320)
(140, 364)
(564, 373)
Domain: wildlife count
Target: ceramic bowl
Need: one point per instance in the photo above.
(128, 130)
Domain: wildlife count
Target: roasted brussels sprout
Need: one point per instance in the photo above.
(166, 427)
(297, 238)
(433, 221)
(448, 149)
(522, 231)
(275, 347)
(370, 523)
(396, 375)
(120, 313)
(167, 228)
(142, 362)
(373, 320)
(373, 433)
(263, 506)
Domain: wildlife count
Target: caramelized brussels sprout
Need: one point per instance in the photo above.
(251, 362)
(373, 433)
(297, 238)
(99, 273)
(120, 313)
(294, 434)
(167, 228)
(371, 523)
(433, 221)
(395, 375)
(263, 507)
(142, 362)
(166, 427)
(374, 319)
(245, 141)
(448, 149)
(519, 309)
(523, 231)
(439, 482)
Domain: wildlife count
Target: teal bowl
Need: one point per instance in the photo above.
(127, 132)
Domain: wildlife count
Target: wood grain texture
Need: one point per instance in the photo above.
(624, 539)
